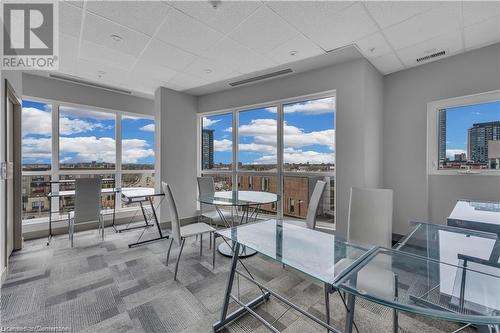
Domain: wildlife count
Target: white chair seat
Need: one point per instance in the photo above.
(195, 229)
(214, 215)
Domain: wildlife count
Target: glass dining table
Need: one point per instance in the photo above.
(244, 206)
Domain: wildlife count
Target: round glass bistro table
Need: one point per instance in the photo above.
(247, 202)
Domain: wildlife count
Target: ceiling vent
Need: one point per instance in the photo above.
(261, 77)
(77, 80)
(431, 56)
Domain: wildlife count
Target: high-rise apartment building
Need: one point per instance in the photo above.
(207, 149)
(442, 136)
(478, 137)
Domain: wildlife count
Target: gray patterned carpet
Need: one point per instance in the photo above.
(107, 287)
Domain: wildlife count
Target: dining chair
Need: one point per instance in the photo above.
(179, 234)
(312, 209)
(87, 205)
(206, 186)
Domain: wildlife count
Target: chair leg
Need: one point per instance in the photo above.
(213, 251)
(201, 245)
(72, 228)
(178, 258)
(169, 248)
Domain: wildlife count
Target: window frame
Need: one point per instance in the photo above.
(280, 173)
(433, 109)
(55, 172)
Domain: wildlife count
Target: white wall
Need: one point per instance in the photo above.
(359, 101)
(175, 126)
(47, 88)
(15, 80)
(406, 95)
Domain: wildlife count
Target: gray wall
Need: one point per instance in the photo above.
(359, 104)
(175, 126)
(47, 88)
(406, 95)
(15, 80)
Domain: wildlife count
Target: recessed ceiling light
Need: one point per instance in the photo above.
(208, 71)
(372, 49)
(100, 74)
(116, 38)
(292, 53)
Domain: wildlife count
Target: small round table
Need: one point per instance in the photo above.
(238, 199)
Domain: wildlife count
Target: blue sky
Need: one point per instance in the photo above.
(460, 119)
(309, 134)
(85, 136)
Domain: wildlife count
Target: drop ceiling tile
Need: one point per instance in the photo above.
(210, 70)
(142, 16)
(166, 55)
(238, 57)
(183, 81)
(478, 11)
(107, 56)
(374, 45)
(98, 30)
(263, 31)
(387, 13)
(224, 18)
(70, 19)
(300, 45)
(98, 72)
(387, 64)
(450, 42)
(443, 17)
(146, 69)
(187, 33)
(483, 33)
(68, 53)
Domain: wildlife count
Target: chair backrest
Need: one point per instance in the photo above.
(206, 186)
(174, 214)
(87, 199)
(370, 216)
(312, 210)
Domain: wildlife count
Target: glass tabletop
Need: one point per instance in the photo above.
(428, 287)
(238, 198)
(317, 254)
(447, 244)
(478, 215)
(131, 193)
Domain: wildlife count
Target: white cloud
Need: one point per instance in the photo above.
(299, 157)
(135, 149)
(255, 147)
(318, 106)
(37, 149)
(124, 117)
(207, 122)
(148, 128)
(223, 145)
(450, 153)
(82, 112)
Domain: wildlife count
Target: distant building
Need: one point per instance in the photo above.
(494, 154)
(207, 149)
(462, 157)
(442, 136)
(478, 137)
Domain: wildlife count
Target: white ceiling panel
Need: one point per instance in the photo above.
(107, 56)
(99, 30)
(478, 11)
(142, 16)
(68, 53)
(225, 18)
(295, 49)
(238, 57)
(167, 55)
(443, 17)
(388, 63)
(263, 31)
(99, 72)
(387, 13)
(341, 28)
(70, 19)
(374, 45)
(210, 70)
(187, 33)
(480, 34)
(450, 42)
(183, 81)
(74, 3)
(146, 69)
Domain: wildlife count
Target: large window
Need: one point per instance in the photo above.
(289, 165)
(467, 134)
(62, 142)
